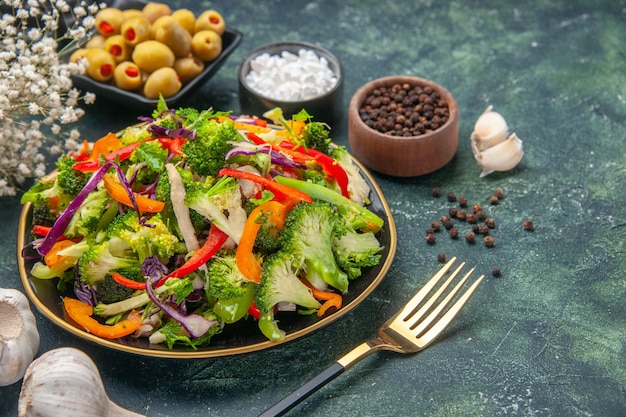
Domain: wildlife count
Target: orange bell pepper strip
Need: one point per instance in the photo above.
(81, 313)
(247, 263)
(52, 258)
(119, 193)
(105, 145)
(92, 165)
(282, 193)
(332, 299)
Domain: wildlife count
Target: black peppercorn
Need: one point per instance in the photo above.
(490, 222)
(529, 225)
(431, 238)
(470, 237)
(498, 193)
(462, 201)
(495, 271)
(451, 197)
(454, 233)
(493, 200)
(441, 257)
(489, 241)
(436, 192)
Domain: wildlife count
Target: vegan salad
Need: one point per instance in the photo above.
(194, 220)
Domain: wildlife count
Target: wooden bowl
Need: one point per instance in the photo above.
(402, 156)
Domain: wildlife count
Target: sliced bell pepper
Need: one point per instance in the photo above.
(52, 258)
(127, 282)
(285, 194)
(105, 145)
(213, 244)
(285, 150)
(119, 193)
(247, 263)
(41, 230)
(92, 165)
(81, 313)
(331, 299)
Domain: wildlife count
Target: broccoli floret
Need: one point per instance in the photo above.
(207, 152)
(150, 237)
(108, 291)
(43, 214)
(132, 303)
(98, 261)
(358, 188)
(232, 291)
(354, 251)
(89, 215)
(69, 180)
(268, 239)
(214, 201)
(135, 134)
(225, 279)
(316, 137)
(308, 234)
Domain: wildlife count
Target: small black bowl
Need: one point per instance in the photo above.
(323, 108)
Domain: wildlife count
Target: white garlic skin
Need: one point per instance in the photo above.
(19, 337)
(489, 130)
(501, 157)
(65, 382)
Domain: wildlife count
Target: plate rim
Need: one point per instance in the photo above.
(210, 353)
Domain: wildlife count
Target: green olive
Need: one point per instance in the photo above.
(153, 10)
(186, 18)
(206, 45)
(188, 68)
(96, 42)
(152, 55)
(78, 54)
(210, 20)
(118, 48)
(130, 13)
(101, 64)
(163, 81)
(136, 30)
(109, 21)
(128, 76)
(168, 31)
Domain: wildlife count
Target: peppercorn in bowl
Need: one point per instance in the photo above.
(403, 126)
(293, 76)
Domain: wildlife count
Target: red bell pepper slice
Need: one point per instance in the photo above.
(213, 244)
(285, 150)
(127, 282)
(285, 194)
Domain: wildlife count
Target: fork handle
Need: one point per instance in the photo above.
(327, 375)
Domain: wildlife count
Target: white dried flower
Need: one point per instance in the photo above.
(37, 97)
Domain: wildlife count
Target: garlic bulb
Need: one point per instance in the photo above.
(494, 149)
(65, 382)
(19, 337)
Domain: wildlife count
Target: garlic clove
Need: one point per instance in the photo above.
(489, 130)
(501, 157)
(19, 337)
(66, 382)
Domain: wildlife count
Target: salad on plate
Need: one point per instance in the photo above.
(194, 220)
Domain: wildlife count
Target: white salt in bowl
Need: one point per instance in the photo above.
(293, 76)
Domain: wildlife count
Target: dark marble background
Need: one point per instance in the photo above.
(548, 337)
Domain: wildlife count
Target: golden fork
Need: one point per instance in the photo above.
(412, 329)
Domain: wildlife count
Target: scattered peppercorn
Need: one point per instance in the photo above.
(452, 211)
(431, 238)
(481, 215)
(444, 218)
(454, 233)
(529, 225)
(448, 224)
(483, 229)
(470, 237)
(461, 215)
(436, 192)
(490, 223)
(496, 272)
(430, 230)
(435, 226)
(489, 241)
(493, 200)
(471, 218)
(441, 257)
(476, 229)
(499, 193)
(476, 208)
(462, 201)
(451, 197)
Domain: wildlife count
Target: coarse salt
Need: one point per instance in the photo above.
(291, 77)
